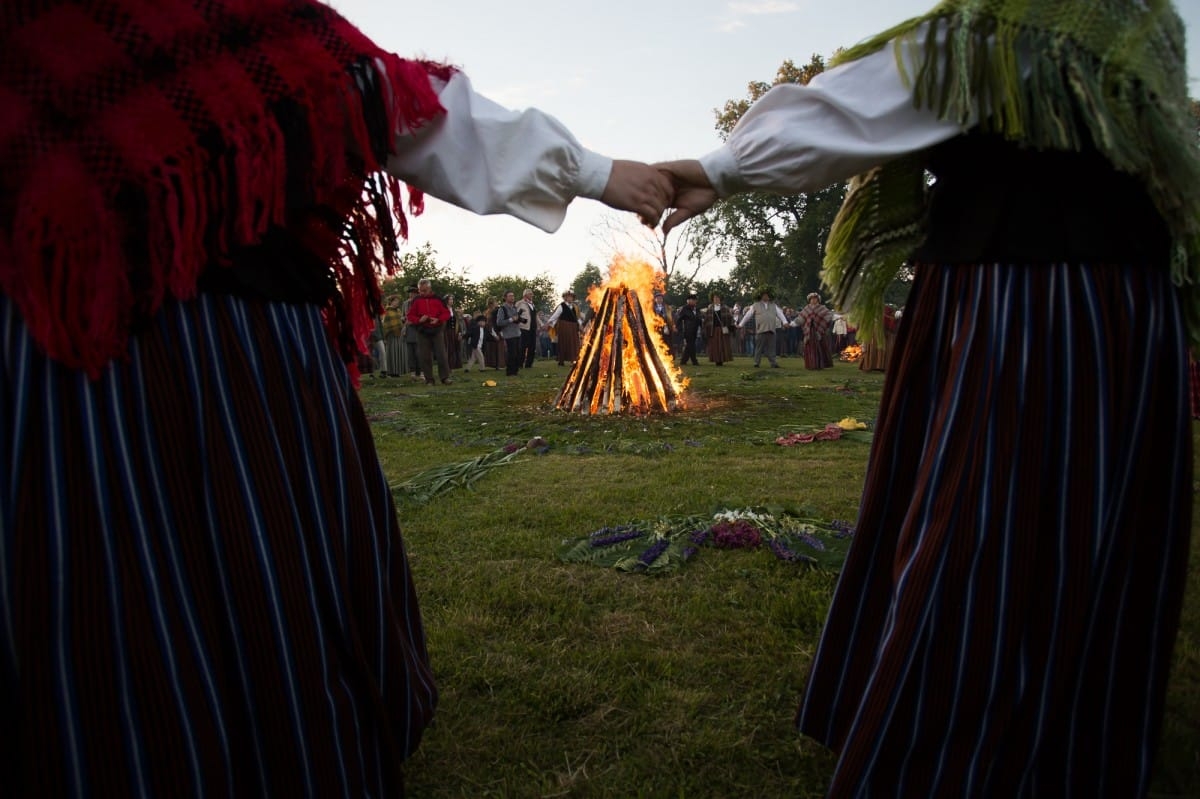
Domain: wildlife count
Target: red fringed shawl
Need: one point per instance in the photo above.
(144, 141)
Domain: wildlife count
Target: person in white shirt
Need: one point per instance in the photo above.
(1004, 621)
(197, 198)
(768, 318)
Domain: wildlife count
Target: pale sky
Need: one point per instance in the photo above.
(632, 79)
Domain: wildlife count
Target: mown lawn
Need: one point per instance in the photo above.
(570, 680)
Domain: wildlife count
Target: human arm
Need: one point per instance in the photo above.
(488, 159)
(554, 316)
(799, 138)
(783, 320)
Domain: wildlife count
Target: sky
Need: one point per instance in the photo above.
(630, 78)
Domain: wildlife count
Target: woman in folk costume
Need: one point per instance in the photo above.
(565, 323)
(815, 321)
(1003, 625)
(718, 324)
(204, 589)
(453, 332)
(394, 349)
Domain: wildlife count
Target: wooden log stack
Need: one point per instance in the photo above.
(619, 369)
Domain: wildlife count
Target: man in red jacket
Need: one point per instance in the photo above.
(427, 313)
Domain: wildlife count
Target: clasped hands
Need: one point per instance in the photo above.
(649, 189)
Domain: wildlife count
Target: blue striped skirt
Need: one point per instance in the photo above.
(203, 584)
(1004, 622)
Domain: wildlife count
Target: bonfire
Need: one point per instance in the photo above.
(624, 365)
(852, 353)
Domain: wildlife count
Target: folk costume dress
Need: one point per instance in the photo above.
(1003, 624)
(719, 334)
(203, 587)
(815, 321)
(565, 320)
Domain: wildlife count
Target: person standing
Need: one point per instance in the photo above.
(1004, 621)
(509, 316)
(494, 352)
(412, 358)
(565, 321)
(814, 321)
(394, 349)
(453, 332)
(529, 328)
(428, 315)
(477, 335)
(688, 323)
(205, 588)
(719, 329)
(767, 319)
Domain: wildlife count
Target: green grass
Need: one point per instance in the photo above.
(568, 680)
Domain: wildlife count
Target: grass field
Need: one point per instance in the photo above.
(572, 680)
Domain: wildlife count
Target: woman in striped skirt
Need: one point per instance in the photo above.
(203, 589)
(1004, 622)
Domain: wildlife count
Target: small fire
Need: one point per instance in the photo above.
(852, 353)
(625, 365)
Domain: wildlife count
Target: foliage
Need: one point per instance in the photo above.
(588, 277)
(544, 292)
(422, 263)
(659, 546)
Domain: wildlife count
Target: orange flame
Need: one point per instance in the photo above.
(641, 389)
(851, 353)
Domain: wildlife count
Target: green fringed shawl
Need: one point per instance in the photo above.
(1106, 72)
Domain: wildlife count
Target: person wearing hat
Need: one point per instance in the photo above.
(814, 321)
(565, 321)
(1004, 622)
(768, 318)
(411, 357)
(687, 321)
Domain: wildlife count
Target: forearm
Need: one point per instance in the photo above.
(845, 121)
(490, 160)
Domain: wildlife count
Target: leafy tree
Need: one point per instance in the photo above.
(776, 240)
(422, 263)
(590, 276)
(544, 293)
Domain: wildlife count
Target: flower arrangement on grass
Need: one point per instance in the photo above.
(662, 545)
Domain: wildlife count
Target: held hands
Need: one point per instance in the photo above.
(649, 190)
(693, 194)
(640, 188)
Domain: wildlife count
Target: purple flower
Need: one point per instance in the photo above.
(688, 552)
(655, 549)
(699, 536)
(608, 536)
(511, 448)
(781, 550)
(739, 534)
(812, 541)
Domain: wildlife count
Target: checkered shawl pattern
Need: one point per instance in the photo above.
(145, 141)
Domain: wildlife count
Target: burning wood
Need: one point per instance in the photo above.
(624, 366)
(852, 353)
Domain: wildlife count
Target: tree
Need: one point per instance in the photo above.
(544, 294)
(681, 259)
(590, 276)
(775, 240)
(422, 264)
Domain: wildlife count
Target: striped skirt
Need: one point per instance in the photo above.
(204, 588)
(1004, 622)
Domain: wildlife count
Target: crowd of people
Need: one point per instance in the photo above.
(815, 333)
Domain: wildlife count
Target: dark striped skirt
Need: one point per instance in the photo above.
(1004, 622)
(205, 592)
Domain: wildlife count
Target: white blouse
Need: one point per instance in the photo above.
(488, 159)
